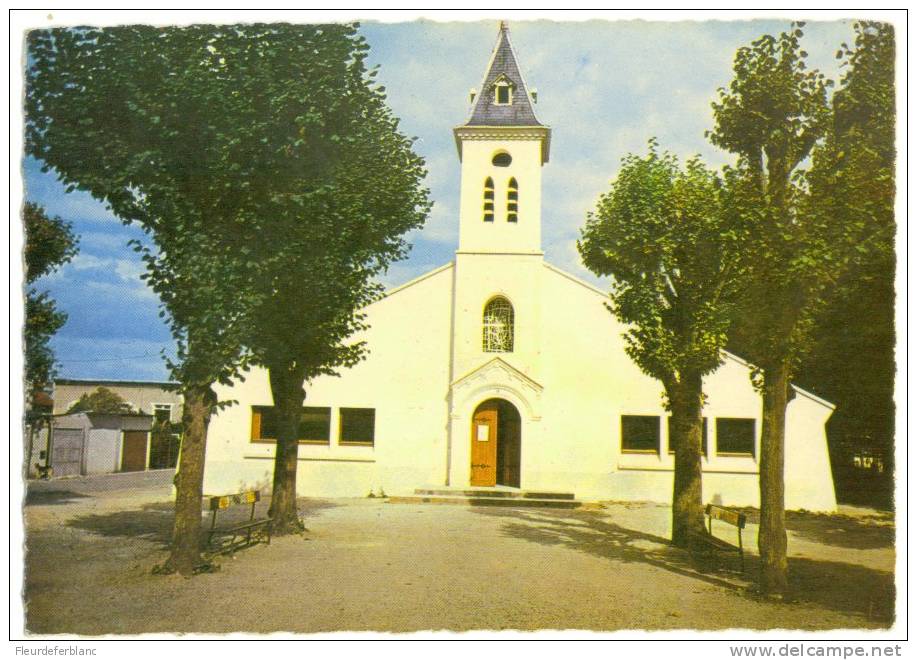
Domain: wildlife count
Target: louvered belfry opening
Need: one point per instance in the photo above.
(512, 201)
(489, 200)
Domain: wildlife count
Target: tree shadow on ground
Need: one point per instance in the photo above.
(50, 497)
(589, 532)
(863, 532)
(846, 588)
(153, 522)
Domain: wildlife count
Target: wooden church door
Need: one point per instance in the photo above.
(484, 445)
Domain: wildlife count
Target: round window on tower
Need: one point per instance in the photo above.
(502, 159)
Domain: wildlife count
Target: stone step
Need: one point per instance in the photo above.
(487, 492)
(486, 500)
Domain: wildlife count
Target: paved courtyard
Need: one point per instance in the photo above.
(371, 565)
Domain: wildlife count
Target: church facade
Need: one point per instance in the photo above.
(499, 370)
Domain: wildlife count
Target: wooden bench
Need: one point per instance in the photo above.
(239, 535)
(730, 517)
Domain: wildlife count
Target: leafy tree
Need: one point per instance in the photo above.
(775, 116)
(49, 243)
(219, 143)
(664, 235)
(352, 194)
(148, 120)
(101, 400)
(200, 283)
(853, 180)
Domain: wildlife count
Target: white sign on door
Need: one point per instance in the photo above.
(483, 432)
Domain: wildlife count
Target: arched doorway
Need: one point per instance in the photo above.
(496, 444)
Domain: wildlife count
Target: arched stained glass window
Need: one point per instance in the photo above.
(498, 326)
(489, 200)
(512, 201)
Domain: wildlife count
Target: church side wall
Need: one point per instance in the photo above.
(587, 380)
(809, 481)
(590, 382)
(404, 378)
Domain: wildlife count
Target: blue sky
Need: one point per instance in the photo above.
(604, 87)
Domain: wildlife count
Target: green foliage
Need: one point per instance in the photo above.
(665, 235)
(816, 180)
(774, 117)
(102, 400)
(267, 172)
(49, 243)
(364, 193)
(774, 110)
(261, 160)
(42, 321)
(853, 181)
(817, 196)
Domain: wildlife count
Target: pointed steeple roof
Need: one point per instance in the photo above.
(503, 67)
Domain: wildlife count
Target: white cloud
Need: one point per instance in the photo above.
(86, 261)
(129, 271)
(441, 225)
(126, 270)
(565, 256)
(102, 241)
(95, 357)
(109, 276)
(604, 88)
(122, 292)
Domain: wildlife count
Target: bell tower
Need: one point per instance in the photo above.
(502, 147)
(499, 266)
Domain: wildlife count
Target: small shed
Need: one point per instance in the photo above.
(96, 443)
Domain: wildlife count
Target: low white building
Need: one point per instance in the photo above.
(98, 443)
(499, 369)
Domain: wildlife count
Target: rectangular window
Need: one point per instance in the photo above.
(358, 426)
(314, 425)
(735, 436)
(640, 434)
(503, 94)
(703, 437)
(162, 412)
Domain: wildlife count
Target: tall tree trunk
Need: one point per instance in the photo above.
(772, 532)
(287, 390)
(185, 555)
(28, 450)
(685, 400)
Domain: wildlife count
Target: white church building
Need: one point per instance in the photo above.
(499, 371)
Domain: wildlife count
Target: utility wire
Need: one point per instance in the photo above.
(119, 359)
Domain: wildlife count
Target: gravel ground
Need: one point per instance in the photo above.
(371, 565)
(150, 483)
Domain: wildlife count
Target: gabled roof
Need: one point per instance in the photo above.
(89, 382)
(508, 371)
(503, 65)
(726, 354)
